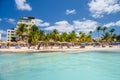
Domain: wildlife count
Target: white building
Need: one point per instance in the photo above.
(29, 21)
(11, 34)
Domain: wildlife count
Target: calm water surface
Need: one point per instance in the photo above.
(95, 65)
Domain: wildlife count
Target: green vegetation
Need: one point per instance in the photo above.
(21, 29)
(33, 35)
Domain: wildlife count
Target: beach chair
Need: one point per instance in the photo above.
(17, 47)
(82, 45)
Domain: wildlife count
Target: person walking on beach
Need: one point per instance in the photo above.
(8, 45)
(39, 44)
(0, 45)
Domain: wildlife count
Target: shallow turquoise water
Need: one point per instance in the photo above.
(95, 65)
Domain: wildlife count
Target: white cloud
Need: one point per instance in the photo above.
(3, 35)
(84, 18)
(2, 32)
(41, 23)
(4, 38)
(61, 26)
(110, 24)
(0, 19)
(85, 26)
(117, 23)
(22, 5)
(11, 20)
(73, 11)
(77, 26)
(100, 7)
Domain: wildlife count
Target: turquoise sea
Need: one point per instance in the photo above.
(94, 65)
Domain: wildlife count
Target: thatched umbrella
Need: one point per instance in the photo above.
(11, 43)
(24, 34)
(4, 43)
(21, 42)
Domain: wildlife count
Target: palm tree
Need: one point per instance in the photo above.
(114, 36)
(20, 30)
(118, 38)
(63, 36)
(46, 39)
(88, 38)
(98, 30)
(42, 34)
(34, 35)
(107, 37)
(90, 32)
(82, 37)
(112, 30)
(80, 32)
(104, 29)
(55, 31)
(72, 36)
(54, 35)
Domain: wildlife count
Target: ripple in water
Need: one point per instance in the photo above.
(94, 65)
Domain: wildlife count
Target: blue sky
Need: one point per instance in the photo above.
(64, 15)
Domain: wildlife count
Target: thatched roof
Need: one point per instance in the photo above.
(25, 34)
(21, 42)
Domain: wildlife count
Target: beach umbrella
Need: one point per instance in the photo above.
(21, 42)
(4, 42)
(12, 42)
(24, 34)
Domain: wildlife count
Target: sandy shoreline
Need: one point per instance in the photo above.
(56, 49)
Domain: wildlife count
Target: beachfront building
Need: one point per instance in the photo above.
(11, 35)
(29, 21)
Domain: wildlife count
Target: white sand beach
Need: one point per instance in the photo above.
(56, 49)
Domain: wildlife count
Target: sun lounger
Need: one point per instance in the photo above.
(17, 47)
